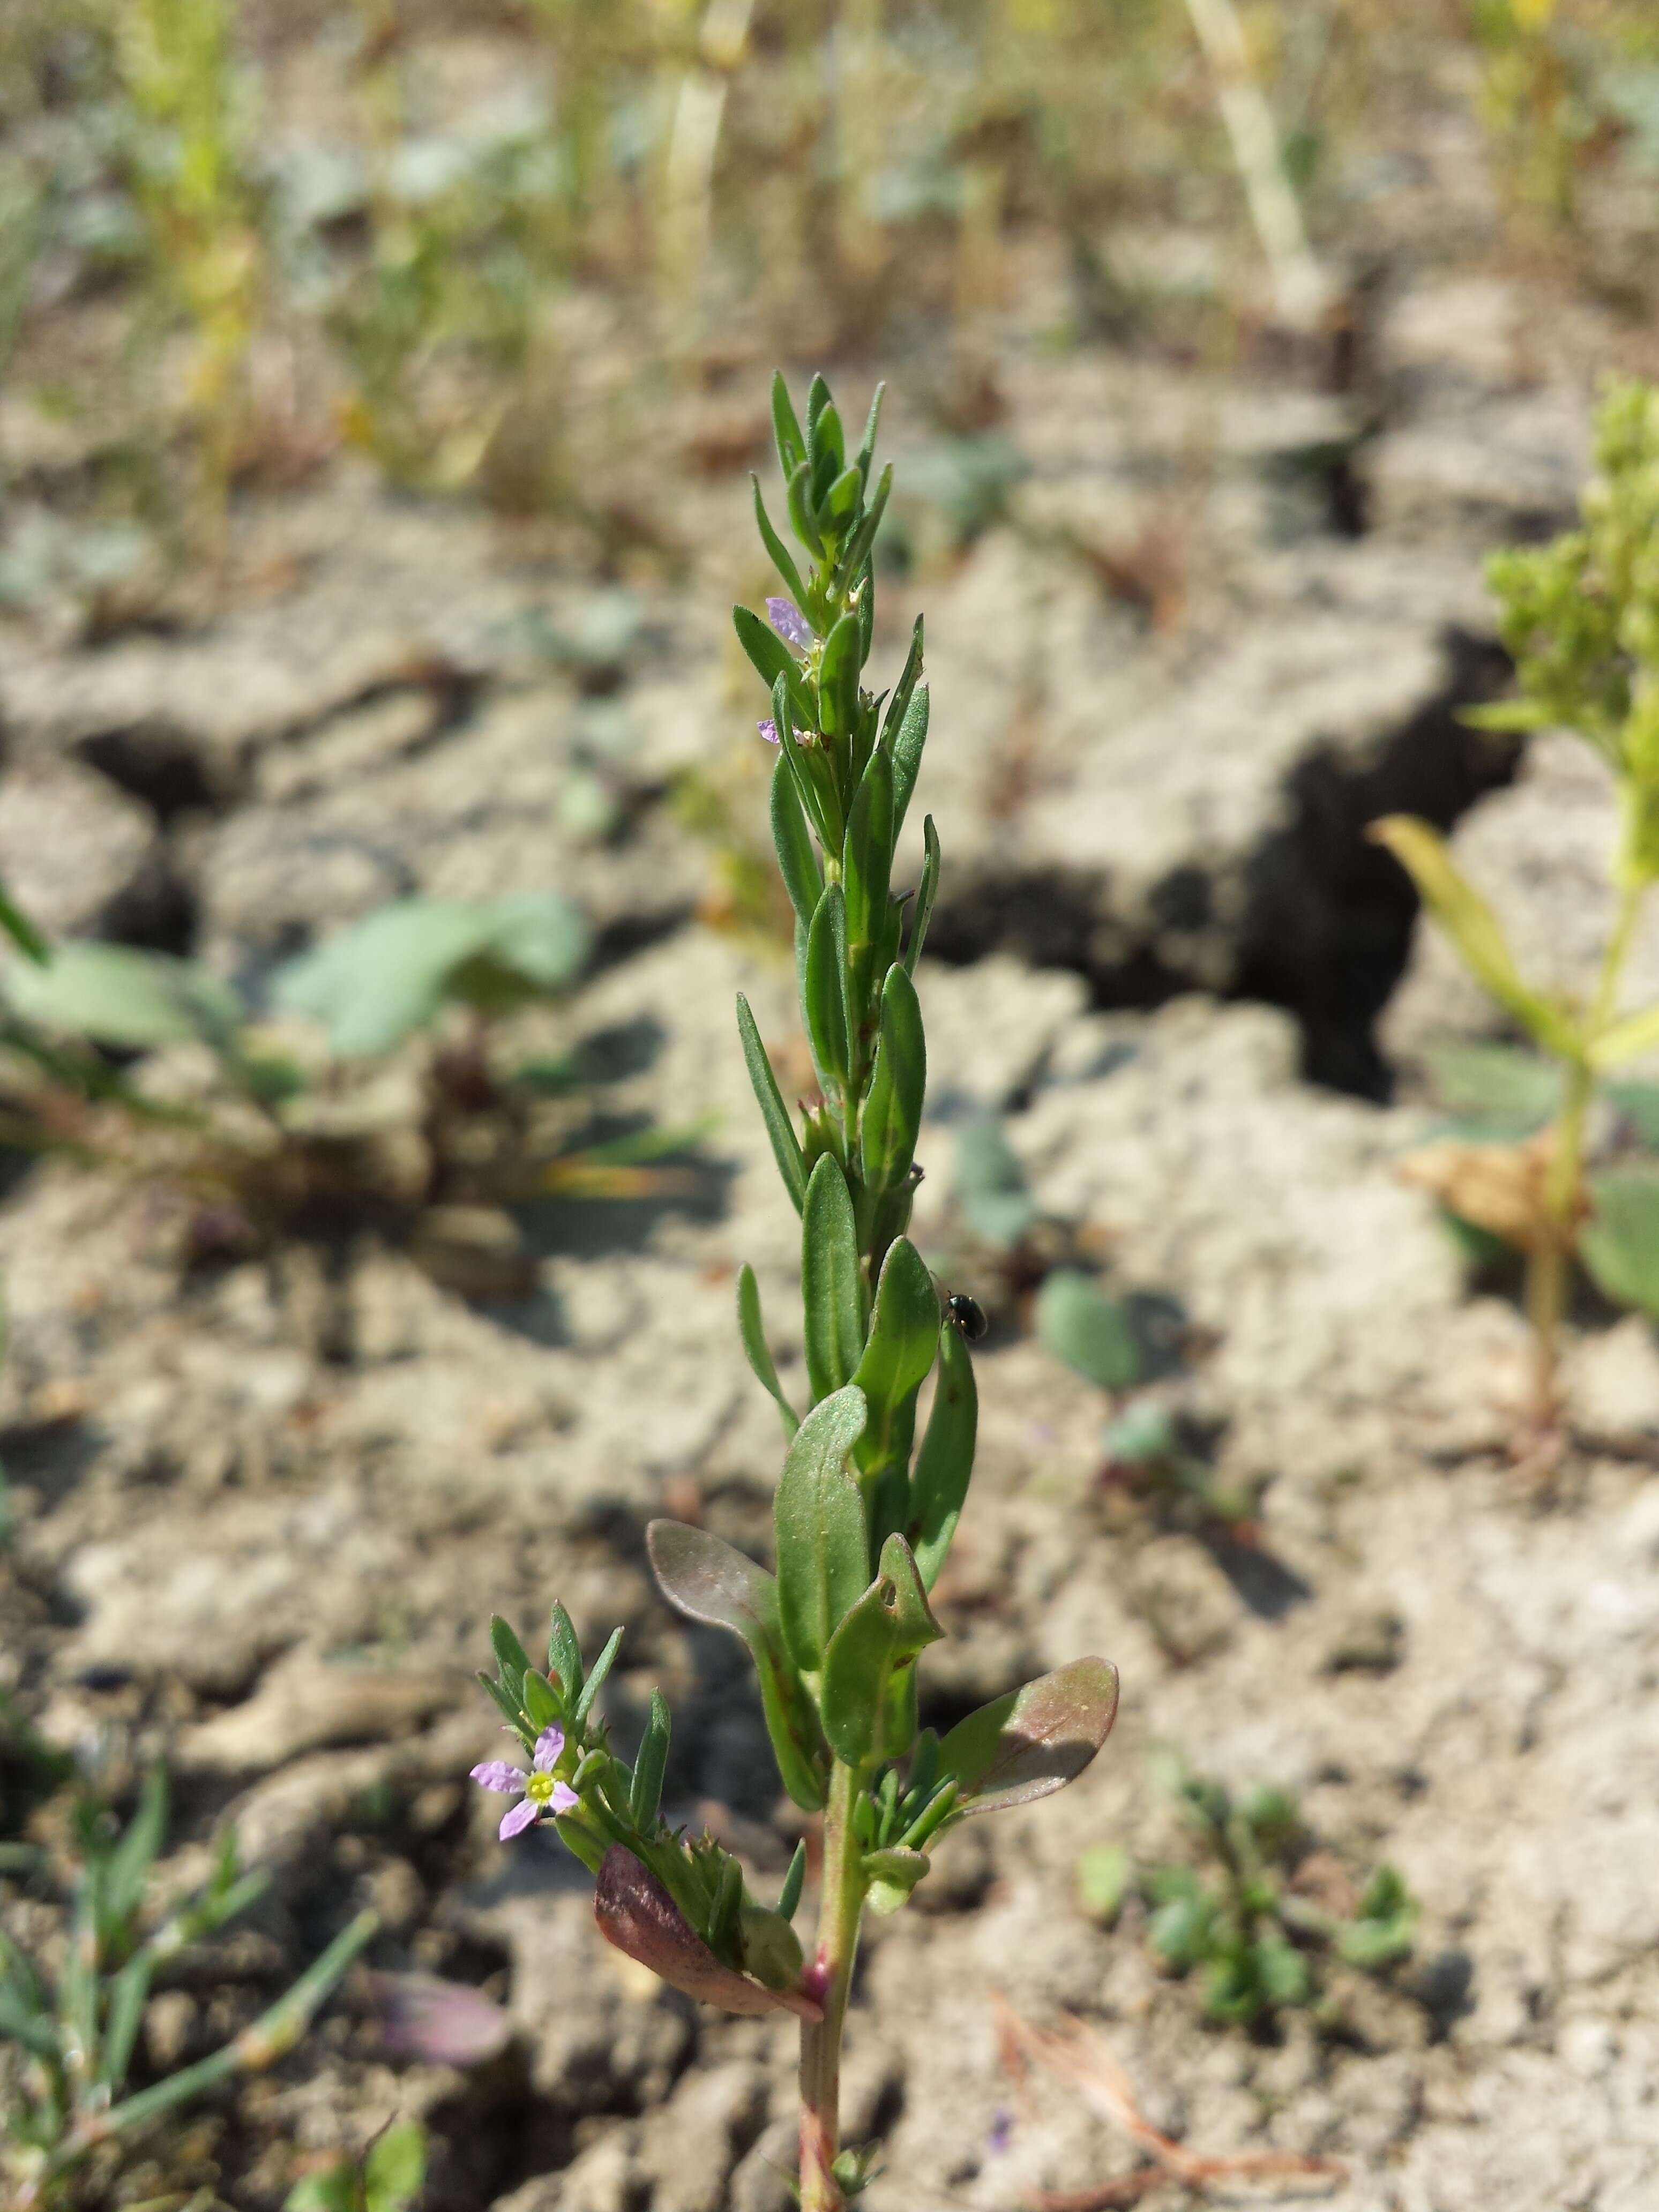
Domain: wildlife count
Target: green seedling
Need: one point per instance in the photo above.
(1250, 1917)
(69, 2021)
(306, 1120)
(389, 2177)
(1580, 618)
(865, 1513)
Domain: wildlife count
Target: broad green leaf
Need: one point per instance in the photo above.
(785, 1145)
(118, 996)
(394, 2171)
(1639, 1104)
(798, 858)
(904, 1330)
(710, 1582)
(1521, 1089)
(831, 1295)
(990, 1186)
(823, 1537)
(1620, 1242)
(634, 1911)
(1472, 927)
(906, 756)
(880, 1640)
(824, 1003)
(945, 1462)
(1033, 1741)
(1091, 1333)
(753, 1332)
(898, 1086)
(1103, 1875)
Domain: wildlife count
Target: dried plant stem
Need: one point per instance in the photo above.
(820, 2041)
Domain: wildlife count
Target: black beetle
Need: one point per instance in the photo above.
(968, 1315)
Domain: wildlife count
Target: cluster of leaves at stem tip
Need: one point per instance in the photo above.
(68, 2024)
(1258, 1935)
(864, 1515)
(1580, 617)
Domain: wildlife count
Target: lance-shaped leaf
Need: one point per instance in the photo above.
(709, 1581)
(867, 856)
(1033, 1741)
(855, 554)
(755, 1348)
(636, 1914)
(875, 1645)
(904, 690)
(898, 1086)
(831, 1298)
(824, 999)
(906, 756)
(782, 559)
(823, 1536)
(867, 452)
(564, 1653)
(785, 1145)
(798, 858)
(792, 443)
(926, 891)
(645, 1793)
(838, 679)
(945, 1464)
(1476, 932)
(772, 658)
(1624, 1040)
(903, 1331)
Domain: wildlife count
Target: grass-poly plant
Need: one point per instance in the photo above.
(1260, 1915)
(69, 2021)
(1580, 618)
(863, 1516)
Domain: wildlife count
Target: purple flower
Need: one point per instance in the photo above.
(542, 1793)
(1001, 2132)
(768, 730)
(791, 624)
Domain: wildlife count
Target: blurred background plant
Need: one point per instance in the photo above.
(388, 2177)
(71, 2017)
(474, 273)
(1259, 1911)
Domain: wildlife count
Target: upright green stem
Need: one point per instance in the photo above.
(820, 2041)
(1549, 1262)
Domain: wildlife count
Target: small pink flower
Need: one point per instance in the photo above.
(768, 730)
(541, 1793)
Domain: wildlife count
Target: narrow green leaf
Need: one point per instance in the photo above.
(811, 772)
(908, 745)
(753, 1333)
(1626, 1040)
(127, 1875)
(824, 1005)
(841, 501)
(781, 559)
(772, 658)
(791, 442)
(904, 690)
(564, 1652)
(859, 548)
(926, 894)
(505, 1704)
(128, 1994)
(823, 1545)
(878, 1641)
(541, 1708)
(786, 1146)
(867, 858)
(510, 1656)
(645, 1794)
(794, 1883)
(21, 930)
(803, 512)
(818, 397)
(581, 1712)
(905, 1331)
(1033, 1741)
(945, 1463)
(831, 1296)
(798, 858)
(898, 1085)
(838, 679)
(871, 424)
(710, 1582)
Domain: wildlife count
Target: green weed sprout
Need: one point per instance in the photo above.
(193, 187)
(69, 2029)
(1580, 618)
(864, 1518)
(389, 2177)
(1257, 1934)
